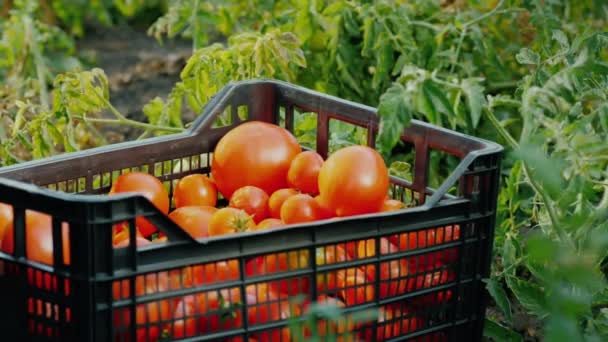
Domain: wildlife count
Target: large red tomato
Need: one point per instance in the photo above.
(325, 212)
(6, 218)
(39, 238)
(354, 180)
(303, 173)
(276, 200)
(194, 219)
(254, 153)
(195, 189)
(251, 199)
(148, 186)
(300, 208)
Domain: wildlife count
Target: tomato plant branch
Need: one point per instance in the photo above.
(129, 122)
(535, 186)
(38, 61)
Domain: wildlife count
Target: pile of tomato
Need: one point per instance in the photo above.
(268, 182)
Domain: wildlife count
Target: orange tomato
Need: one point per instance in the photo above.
(194, 219)
(283, 262)
(276, 200)
(357, 289)
(253, 153)
(38, 238)
(303, 172)
(269, 223)
(330, 281)
(395, 270)
(230, 221)
(251, 199)
(123, 235)
(148, 186)
(325, 212)
(354, 180)
(195, 189)
(391, 205)
(6, 218)
(300, 208)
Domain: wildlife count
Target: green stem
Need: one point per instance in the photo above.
(535, 186)
(132, 123)
(425, 24)
(195, 26)
(38, 61)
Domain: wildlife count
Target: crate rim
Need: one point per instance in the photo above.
(205, 119)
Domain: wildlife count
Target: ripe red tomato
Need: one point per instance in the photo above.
(303, 172)
(389, 270)
(216, 272)
(6, 218)
(300, 208)
(151, 314)
(393, 323)
(265, 306)
(148, 186)
(194, 219)
(269, 223)
(325, 212)
(276, 200)
(253, 200)
(425, 281)
(230, 221)
(427, 238)
(195, 189)
(207, 312)
(38, 238)
(330, 281)
(354, 180)
(253, 153)
(357, 289)
(283, 262)
(391, 205)
(121, 239)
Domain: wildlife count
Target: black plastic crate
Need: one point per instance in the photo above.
(130, 294)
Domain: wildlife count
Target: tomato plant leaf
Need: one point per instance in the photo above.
(395, 114)
(528, 56)
(497, 291)
(473, 91)
(498, 332)
(530, 295)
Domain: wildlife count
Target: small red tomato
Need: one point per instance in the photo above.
(123, 235)
(391, 205)
(269, 223)
(148, 186)
(251, 199)
(357, 289)
(195, 189)
(303, 172)
(230, 221)
(276, 200)
(395, 270)
(194, 219)
(300, 208)
(6, 218)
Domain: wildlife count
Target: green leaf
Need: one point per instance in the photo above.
(499, 333)
(527, 56)
(530, 295)
(499, 294)
(153, 109)
(561, 38)
(543, 169)
(395, 114)
(473, 91)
